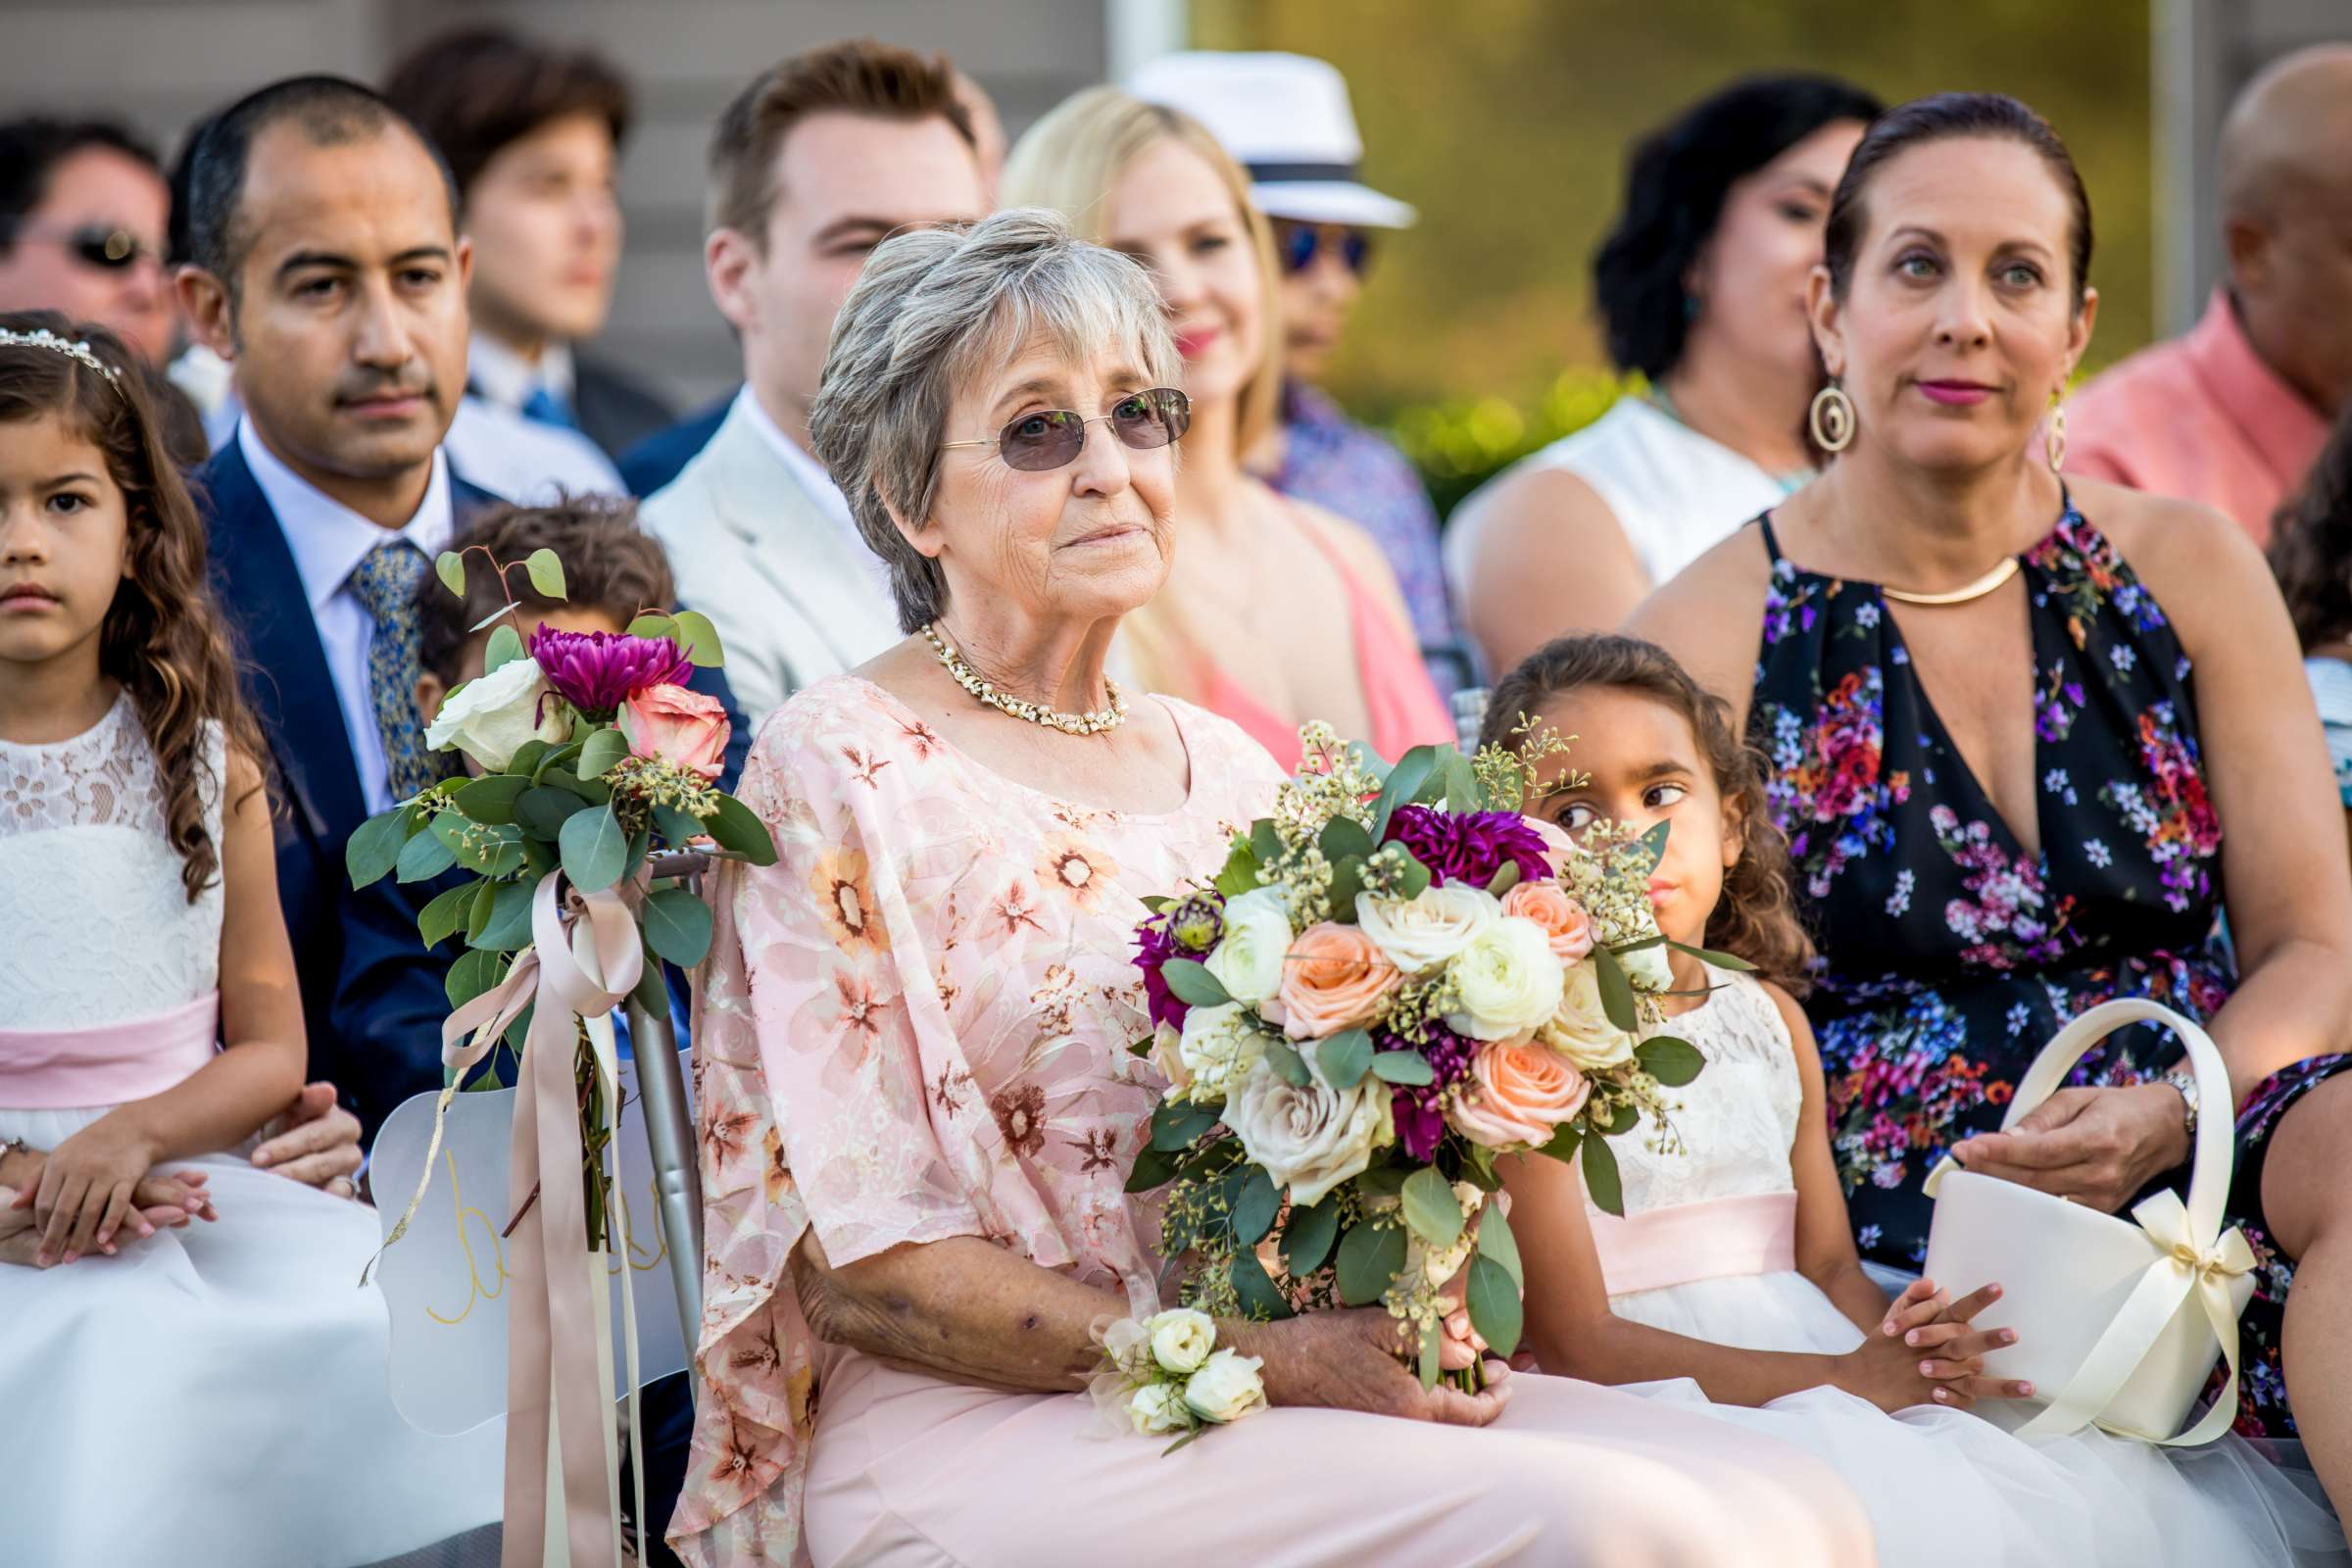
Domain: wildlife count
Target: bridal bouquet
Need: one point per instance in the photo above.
(1392, 982)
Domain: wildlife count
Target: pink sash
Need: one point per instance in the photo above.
(1714, 1238)
(108, 1063)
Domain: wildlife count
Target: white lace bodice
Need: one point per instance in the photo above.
(1739, 1116)
(100, 926)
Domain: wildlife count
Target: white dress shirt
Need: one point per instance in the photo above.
(507, 379)
(810, 475)
(523, 461)
(329, 540)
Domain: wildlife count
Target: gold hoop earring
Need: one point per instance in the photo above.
(2054, 440)
(1832, 418)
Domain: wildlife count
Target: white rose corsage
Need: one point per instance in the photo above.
(1164, 1376)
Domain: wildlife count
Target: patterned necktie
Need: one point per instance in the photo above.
(386, 583)
(544, 407)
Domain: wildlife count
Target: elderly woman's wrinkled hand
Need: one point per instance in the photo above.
(2097, 1146)
(1351, 1360)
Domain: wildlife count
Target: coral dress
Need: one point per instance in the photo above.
(213, 1394)
(914, 1027)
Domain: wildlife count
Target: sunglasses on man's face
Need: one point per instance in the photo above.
(1037, 442)
(1302, 243)
(99, 245)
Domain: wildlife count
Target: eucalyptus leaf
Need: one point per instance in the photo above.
(477, 913)
(1264, 841)
(1371, 1256)
(1624, 1119)
(1413, 770)
(1240, 873)
(1463, 791)
(1601, 1182)
(1308, 1234)
(1430, 1210)
(441, 919)
(1654, 840)
(1496, 1310)
(450, 566)
(1616, 991)
(546, 570)
(1255, 1291)
(1347, 881)
(506, 647)
(491, 619)
(375, 846)
(474, 973)
(1415, 880)
(1370, 761)
(423, 858)
(1496, 1241)
(1288, 1064)
(542, 808)
(1381, 1181)
(1505, 878)
(548, 760)
(538, 854)
(654, 626)
(594, 791)
(1175, 1124)
(676, 925)
(491, 797)
(1254, 1210)
(737, 828)
(677, 828)
(594, 848)
(1153, 1167)
(1564, 1143)
(1432, 1358)
(599, 749)
(1344, 1058)
(1402, 1067)
(1671, 1062)
(510, 924)
(1193, 985)
(525, 759)
(493, 852)
(698, 639)
(1341, 836)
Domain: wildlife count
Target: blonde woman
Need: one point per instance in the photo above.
(1275, 612)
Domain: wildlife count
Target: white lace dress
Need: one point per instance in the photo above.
(1942, 1487)
(213, 1394)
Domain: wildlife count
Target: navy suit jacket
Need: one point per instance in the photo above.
(663, 456)
(371, 995)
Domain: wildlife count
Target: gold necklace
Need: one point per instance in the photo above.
(1958, 596)
(1101, 722)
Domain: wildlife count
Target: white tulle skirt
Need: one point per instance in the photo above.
(216, 1394)
(1945, 1487)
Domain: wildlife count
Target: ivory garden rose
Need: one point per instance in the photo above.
(1181, 1338)
(491, 715)
(1216, 1048)
(1507, 980)
(1581, 1029)
(1247, 963)
(1227, 1388)
(1421, 933)
(1309, 1137)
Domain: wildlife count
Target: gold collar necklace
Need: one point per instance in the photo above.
(1999, 574)
(1101, 721)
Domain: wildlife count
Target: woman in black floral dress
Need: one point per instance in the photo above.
(2026, 744)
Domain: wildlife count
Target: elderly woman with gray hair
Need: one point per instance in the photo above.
(917, 1107)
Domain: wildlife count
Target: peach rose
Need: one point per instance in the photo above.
(1562, 918)
(1517, 1095)
(1333, 978)
(681, 727)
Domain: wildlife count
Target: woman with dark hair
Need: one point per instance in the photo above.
(2311, 551)
(2027, 740)
(1700, 287)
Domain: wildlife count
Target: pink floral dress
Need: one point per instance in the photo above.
(914, 1026)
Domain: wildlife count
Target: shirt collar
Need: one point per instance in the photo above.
(328, 538)
(809, 473)
(2284, 429)
(505, 377)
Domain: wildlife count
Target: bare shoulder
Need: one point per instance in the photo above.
(1539, 506)
(1711, 616)
(1356, 547)
(2204, 570)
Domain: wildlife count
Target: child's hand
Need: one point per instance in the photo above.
(84, 1195)
(1925, 1353)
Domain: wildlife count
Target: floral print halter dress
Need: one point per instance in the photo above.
(1949, 956)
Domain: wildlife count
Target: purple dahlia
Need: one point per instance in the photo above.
(1420, 1108)
(596, 671)
(1468, 846)
(1153, 947)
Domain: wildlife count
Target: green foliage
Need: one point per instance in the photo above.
(450, 566)
(491, 797)
(546, 570)
(1254, 1290)
(375, 846)
(509, 928)
(1239, 873)
(1344, 1058)
(506, 647)
(1431, 1211)
(600, 750)
(1616, 989)
(1287, 1063)
(1371, 1256)
(1602, 1180)
(1192, 984)
(676, 925)
(474, 973)
(445, 914)
(1495, 1311)
(698, 639)
(737, 828)
(594, 848)
(1402, 1067)
(1671, 1062)
(1254, 1210)
(425, 856)
(1307, 1237)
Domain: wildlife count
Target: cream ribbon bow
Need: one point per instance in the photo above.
(2182, 1265)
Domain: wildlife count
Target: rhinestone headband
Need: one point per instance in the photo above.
(73, 349)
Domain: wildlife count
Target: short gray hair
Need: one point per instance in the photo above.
(929, 311)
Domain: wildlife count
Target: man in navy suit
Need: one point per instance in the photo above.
(326, 267)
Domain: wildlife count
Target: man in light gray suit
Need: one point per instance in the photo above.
(814, 165)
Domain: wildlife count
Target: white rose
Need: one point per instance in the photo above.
(1247, 963)
(1157, 1407)
(490, 717)
(1509, 981)
(1227, 1388)
(1217, 1049)
(1649, 968)
(1310, 1138)
(1581, 1029)
(1181, 1338)
(1418, 934)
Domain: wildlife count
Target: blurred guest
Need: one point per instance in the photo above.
(2311, 551)
(83, 213)
(1285, 120)
(2234, 413)
(811, 166)
(988, 133)
(324, 267)
(533, 137)
(1275, 611)
(1701, 285)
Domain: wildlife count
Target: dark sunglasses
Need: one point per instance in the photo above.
(1302, 243)
(110, 250)
(1037, 442)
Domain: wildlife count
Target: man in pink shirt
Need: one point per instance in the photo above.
(2234, 414)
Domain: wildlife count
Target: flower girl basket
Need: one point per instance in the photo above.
(2118, 1321)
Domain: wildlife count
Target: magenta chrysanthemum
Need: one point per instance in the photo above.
(596, 671)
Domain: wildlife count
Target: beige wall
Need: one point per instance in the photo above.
(160, 64)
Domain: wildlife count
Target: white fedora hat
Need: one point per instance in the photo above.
(1285, 120)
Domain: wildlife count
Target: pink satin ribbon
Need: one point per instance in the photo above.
(109, 1063)
(551, 1331)
(1718, 1237)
